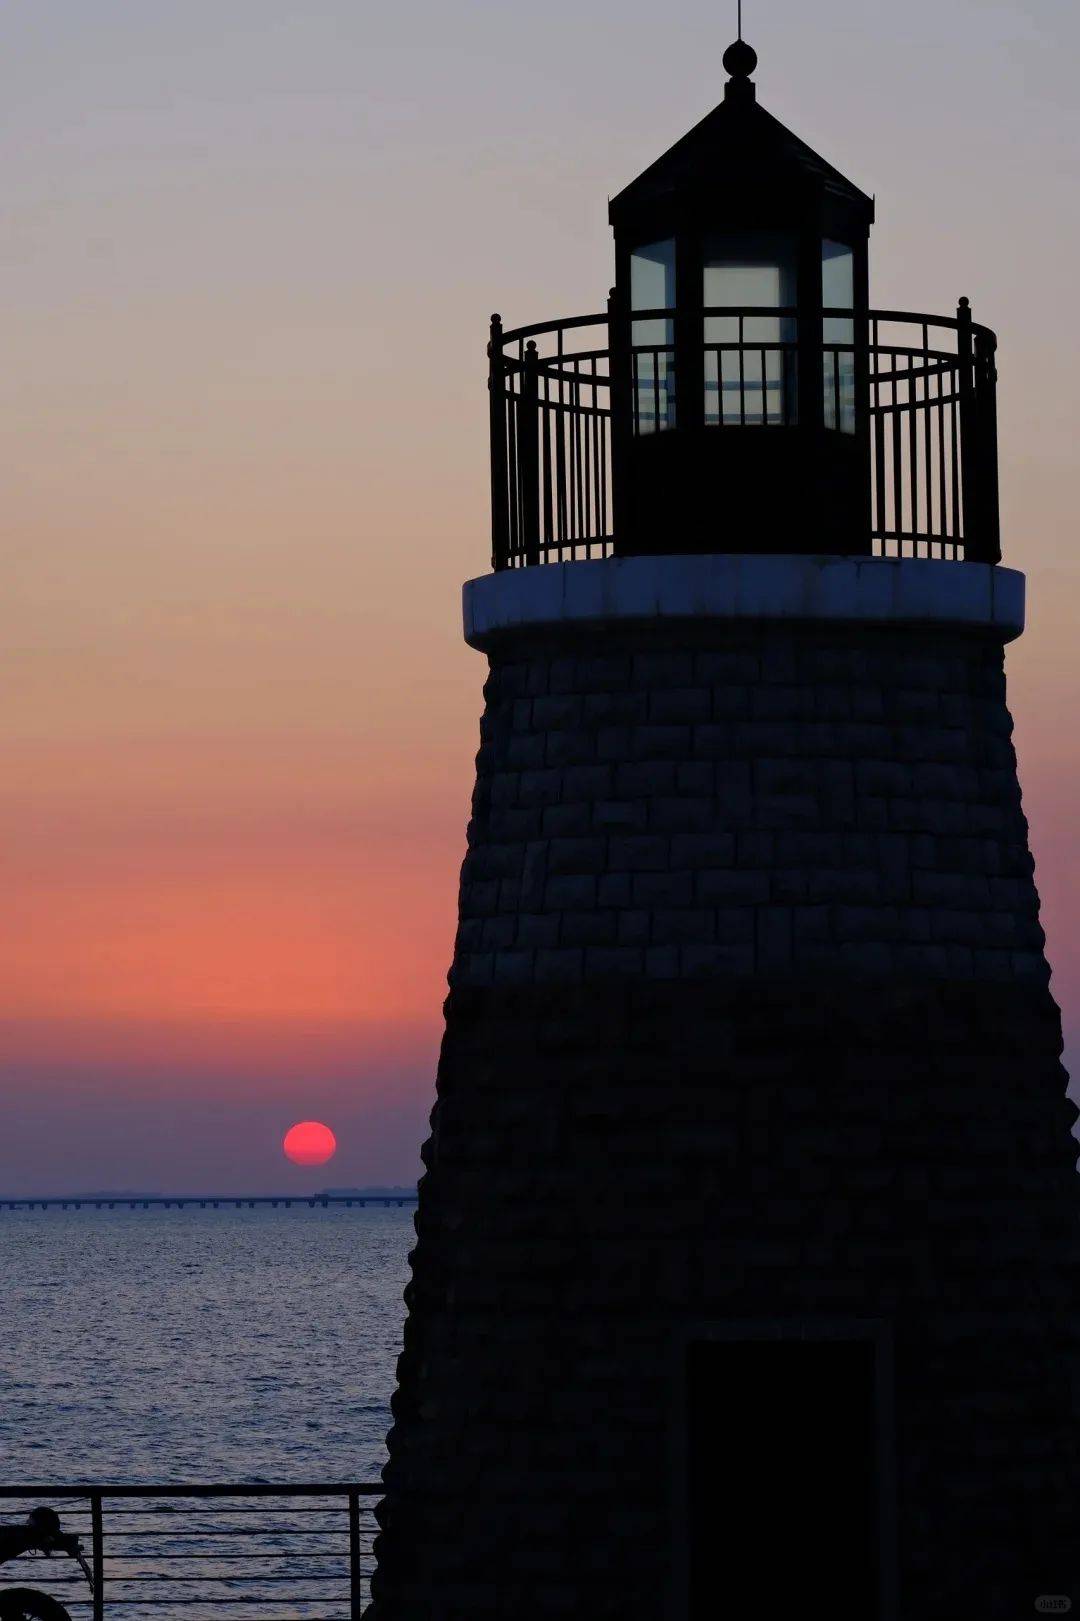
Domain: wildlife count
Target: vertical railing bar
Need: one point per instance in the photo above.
(968, 435)
(987, 449)
(898, 465)
(582, 471)
(514, 477)
(956, 534)
(97, 1551)
(597, 438)
(913, 446)
(356, 1605)
(528, 447)
(500, 525)
(545, 448)
(742, 373)
(586, 436)
(586, 429)
(560, 452)
(879, 456)
(942, 487)
(572, 446)
(605, 431)
(568, 464)
(928, 436)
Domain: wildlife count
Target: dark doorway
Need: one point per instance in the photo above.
(783, 1479)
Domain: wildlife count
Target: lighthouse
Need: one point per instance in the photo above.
(747, 1275)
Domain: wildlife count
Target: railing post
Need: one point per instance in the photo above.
(528, 455)
(97, 1550)
(620, 400)
(355, 1599)
(969, 435)
(500, 525)
(987, 447)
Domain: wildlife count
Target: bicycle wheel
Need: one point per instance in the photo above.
(26, 1604)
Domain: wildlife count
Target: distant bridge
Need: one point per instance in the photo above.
(221, 1201)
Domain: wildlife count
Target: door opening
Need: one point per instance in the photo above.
(784, 1479)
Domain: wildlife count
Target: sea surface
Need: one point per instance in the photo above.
(150, 1346)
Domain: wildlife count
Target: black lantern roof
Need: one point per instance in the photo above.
(737, 147)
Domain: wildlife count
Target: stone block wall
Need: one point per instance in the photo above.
(749, 1021)
(762, 802)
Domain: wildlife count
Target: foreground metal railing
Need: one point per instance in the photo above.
(918, 391)
(250, 1552)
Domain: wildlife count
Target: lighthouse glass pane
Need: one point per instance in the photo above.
(652, 287)
(838, 335)
(750, 353)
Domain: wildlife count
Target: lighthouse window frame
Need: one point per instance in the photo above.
(838, 335)
(750, 356)
(652, 341)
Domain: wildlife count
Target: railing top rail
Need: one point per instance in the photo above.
(518, 332)
(668, 312)
(915, 319)
(195, 1489)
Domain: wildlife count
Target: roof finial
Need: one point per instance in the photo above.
(740, 59)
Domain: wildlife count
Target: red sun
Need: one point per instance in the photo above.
(309, 1142)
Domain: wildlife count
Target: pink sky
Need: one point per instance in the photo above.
(248, 271)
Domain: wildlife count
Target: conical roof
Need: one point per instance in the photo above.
(737, 144)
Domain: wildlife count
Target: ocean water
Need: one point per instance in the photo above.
(149, 1346)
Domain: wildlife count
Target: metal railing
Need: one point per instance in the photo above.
(251, 1552)
(919, 390)
(205, 1201)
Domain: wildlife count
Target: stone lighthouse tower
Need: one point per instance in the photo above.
(747, 1280)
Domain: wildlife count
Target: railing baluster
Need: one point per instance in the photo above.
(356, 1604)
(586, 464)
(987, 448)
(527, 454)
(913, 431)
(942, 483)
(596, 437)
(742, 377)
(877, 477)
(956, 533)
(545, 471)
(928, 476)
(500, 528)
(513, 528)
(97, 1550)
(897, 468)
(968, 464)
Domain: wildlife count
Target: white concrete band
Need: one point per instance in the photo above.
(851, 590)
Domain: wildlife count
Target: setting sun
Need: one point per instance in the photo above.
(309, 1142)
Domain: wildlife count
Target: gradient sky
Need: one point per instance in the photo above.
(249, 252)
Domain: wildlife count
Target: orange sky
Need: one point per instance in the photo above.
(248, 271)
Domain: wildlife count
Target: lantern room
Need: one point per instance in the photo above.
(740, 303)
